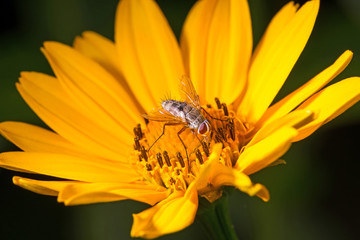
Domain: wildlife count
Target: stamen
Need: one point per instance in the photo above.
(146, 121)
(167, 159)
(148, 167)
(199, 157)
(143, 153)
(205, 148)
(222, 133)
(208, 106)
(159, 159)
(232, 129)
(218, 104)
(180, 158)
(225, 109)
(218, 138)
(137, 131)
(137, 143)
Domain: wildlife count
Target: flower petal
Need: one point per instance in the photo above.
(329, 103)
(45, 96)
(295, 119)
(51, 188)
(216, 43)
(150, 57)
(170, 215)
(291, 101)
(92, 87)
(208, 168)
(85, 193)
(68, 167)
(263, 153)
(36, 139)
(273, 62)
(104, 52)
(232, 177)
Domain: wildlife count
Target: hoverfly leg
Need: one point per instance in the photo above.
(223, 120)
(163, 132)
(178, 134)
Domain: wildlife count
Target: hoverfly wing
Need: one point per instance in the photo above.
(188, 92)
(160, 115)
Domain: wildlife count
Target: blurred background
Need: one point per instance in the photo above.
(313, 196)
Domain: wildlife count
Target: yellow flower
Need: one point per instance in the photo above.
(101, 90)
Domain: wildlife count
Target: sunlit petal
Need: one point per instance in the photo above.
(46, 97)
(216, 43)
(271, 65)
(68, 167)
(36, 139)
(150, 57)
(104, 52)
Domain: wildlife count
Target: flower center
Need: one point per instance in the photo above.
(177, 154)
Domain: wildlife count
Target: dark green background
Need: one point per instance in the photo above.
(314, 196)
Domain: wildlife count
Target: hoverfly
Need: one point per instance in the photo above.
(186, 113)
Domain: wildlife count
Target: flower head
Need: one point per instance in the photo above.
(99, 145)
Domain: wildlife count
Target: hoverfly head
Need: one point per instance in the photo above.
(204, 128)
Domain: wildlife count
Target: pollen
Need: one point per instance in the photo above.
(173, 163)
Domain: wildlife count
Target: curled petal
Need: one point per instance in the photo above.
(295, 98)
(265, 152)
(329, 103)
(295, 119)
(51, 188)
(170, 215)
(84, 193)
(232, 177)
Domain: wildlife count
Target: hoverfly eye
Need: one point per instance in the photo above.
(203, 128)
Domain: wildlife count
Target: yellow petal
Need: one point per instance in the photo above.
(85, 193)
(104, 52)
(291, 101)
(92, 87)
(208, 167)
(232, 177)
(216, 43)
(295, 119)
(36, 139)
(150, 57)
(329, 103)
(273, 62)
(265, 152)
(51, 188)
(276, 26)
(170, 215)
(68, 167)
(46, 97)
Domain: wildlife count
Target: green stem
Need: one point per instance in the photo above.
(215, 219)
